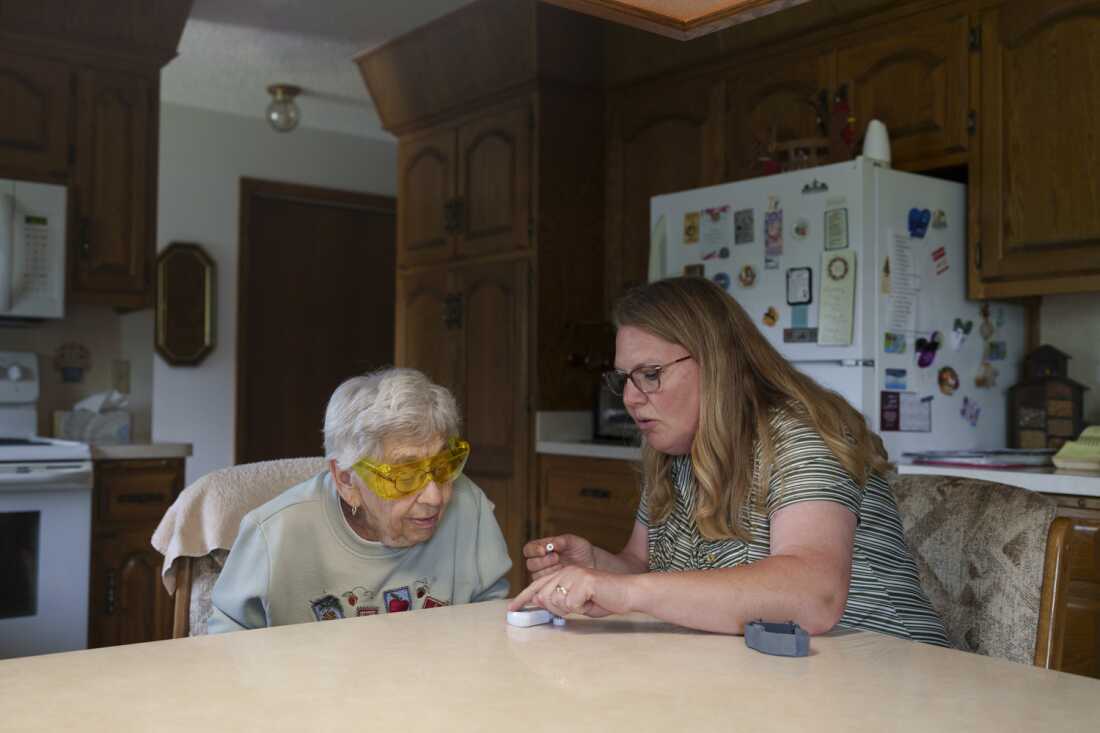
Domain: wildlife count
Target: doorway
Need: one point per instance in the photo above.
(316, 306)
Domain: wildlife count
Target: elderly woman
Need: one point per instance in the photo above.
(763, 492)
(392, 525)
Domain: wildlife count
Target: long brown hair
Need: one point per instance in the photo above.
(743, 380)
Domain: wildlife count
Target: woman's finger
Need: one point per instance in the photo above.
(542, 546)
(527, 594)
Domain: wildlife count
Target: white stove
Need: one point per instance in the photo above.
(45, 523)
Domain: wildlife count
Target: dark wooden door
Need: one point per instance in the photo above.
(316, 290)
(1039, 165)
(116, 185)
(661, 138)
(917, 82)
(494, 163)
(492, 392)
(774, 102)
(34, 127)
(426, 171)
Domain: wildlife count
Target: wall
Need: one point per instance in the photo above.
(1072, 324)
(108, 337)
(203, 155)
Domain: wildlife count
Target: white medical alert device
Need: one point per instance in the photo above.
(533, 617)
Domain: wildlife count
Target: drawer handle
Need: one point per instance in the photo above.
(592, 493)
(140, 498)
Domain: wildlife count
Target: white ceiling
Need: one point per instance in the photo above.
(231, 50)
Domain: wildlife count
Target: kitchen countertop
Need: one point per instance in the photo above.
(1045, 480)
(570, 434)
(462, 668)
(137, 451)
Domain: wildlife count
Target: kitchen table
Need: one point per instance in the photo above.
(462, 668)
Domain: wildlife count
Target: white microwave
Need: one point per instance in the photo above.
(32, 249)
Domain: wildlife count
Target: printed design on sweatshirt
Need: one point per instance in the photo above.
(355, 599)
(430, 602)
(423, 586)
(327, 608)
(397, 600)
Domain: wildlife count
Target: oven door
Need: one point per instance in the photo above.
(45, 539)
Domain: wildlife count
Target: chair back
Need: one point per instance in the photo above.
(980, 549)
(198, 530)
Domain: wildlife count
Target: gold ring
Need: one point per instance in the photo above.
(561, 589)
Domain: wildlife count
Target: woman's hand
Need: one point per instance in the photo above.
(568, 549)
(572, 589)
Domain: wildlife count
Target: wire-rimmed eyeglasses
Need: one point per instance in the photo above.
(647, 377)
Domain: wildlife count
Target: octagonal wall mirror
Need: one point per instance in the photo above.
(185, 304)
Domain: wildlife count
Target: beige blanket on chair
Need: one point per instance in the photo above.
(208, 513)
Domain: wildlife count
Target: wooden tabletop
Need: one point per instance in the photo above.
(462, 668)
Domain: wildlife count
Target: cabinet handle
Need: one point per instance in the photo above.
(110, 595)
(140, 498)
(452, 311)
(593, 493)
(453, 211)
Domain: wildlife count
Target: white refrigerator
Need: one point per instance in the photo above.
(856, 273)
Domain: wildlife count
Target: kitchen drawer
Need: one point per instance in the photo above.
(136, 490)
(590, 487)
(610, 536)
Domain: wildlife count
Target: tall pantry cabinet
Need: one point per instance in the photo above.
(500, 205)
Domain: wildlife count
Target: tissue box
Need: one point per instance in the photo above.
(94, 428)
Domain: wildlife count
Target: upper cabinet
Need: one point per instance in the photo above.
(116, 187)
(915, 79)
(79, 90)
(34, 128)
(1038, 173)
(660, 138)
(466, 189)
(774, 102)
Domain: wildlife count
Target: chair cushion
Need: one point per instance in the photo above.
(980, 549)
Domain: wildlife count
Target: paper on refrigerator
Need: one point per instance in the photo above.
(904, 285)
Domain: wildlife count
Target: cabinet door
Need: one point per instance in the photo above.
(661, 138)
(129, 603)
(493, 378)
(596, 498)
(116, 178)
(494, 163)
(917, 82)
(1039, 167)
(773, 102)
(427, 321)
(34, 126)
(426, 172)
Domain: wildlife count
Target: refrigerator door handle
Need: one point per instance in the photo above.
(836, 362)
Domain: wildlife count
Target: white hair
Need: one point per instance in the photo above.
(395, 403)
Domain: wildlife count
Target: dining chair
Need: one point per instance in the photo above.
(995, 561)
(198, 530)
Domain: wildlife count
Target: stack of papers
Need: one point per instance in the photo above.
(1007, 458)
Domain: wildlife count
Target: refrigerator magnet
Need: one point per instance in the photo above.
(691, 227)
(987, 376)
(747, 276)
(948, 380)
(743, 226)
(799, 285)
(722, 280)
(836, 229)
(939, 219)
(893, 343)
(959, 333)
(771, 316)
(896, 380)
(927, 348)
(801, 228)
(918, 222)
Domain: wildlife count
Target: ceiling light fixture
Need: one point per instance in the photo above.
(282, 113)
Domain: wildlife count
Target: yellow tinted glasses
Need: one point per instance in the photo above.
(395, 481)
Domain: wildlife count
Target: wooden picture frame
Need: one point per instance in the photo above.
(185, 304)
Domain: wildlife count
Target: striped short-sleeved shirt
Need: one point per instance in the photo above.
(884, 594)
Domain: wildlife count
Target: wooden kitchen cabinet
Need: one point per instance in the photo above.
(661, 137)
(128, 601)
(914, 76)
(595, 498)
(34, 126)
(116, 175)
(1037, 177)
(466, 189)
(774, 102)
